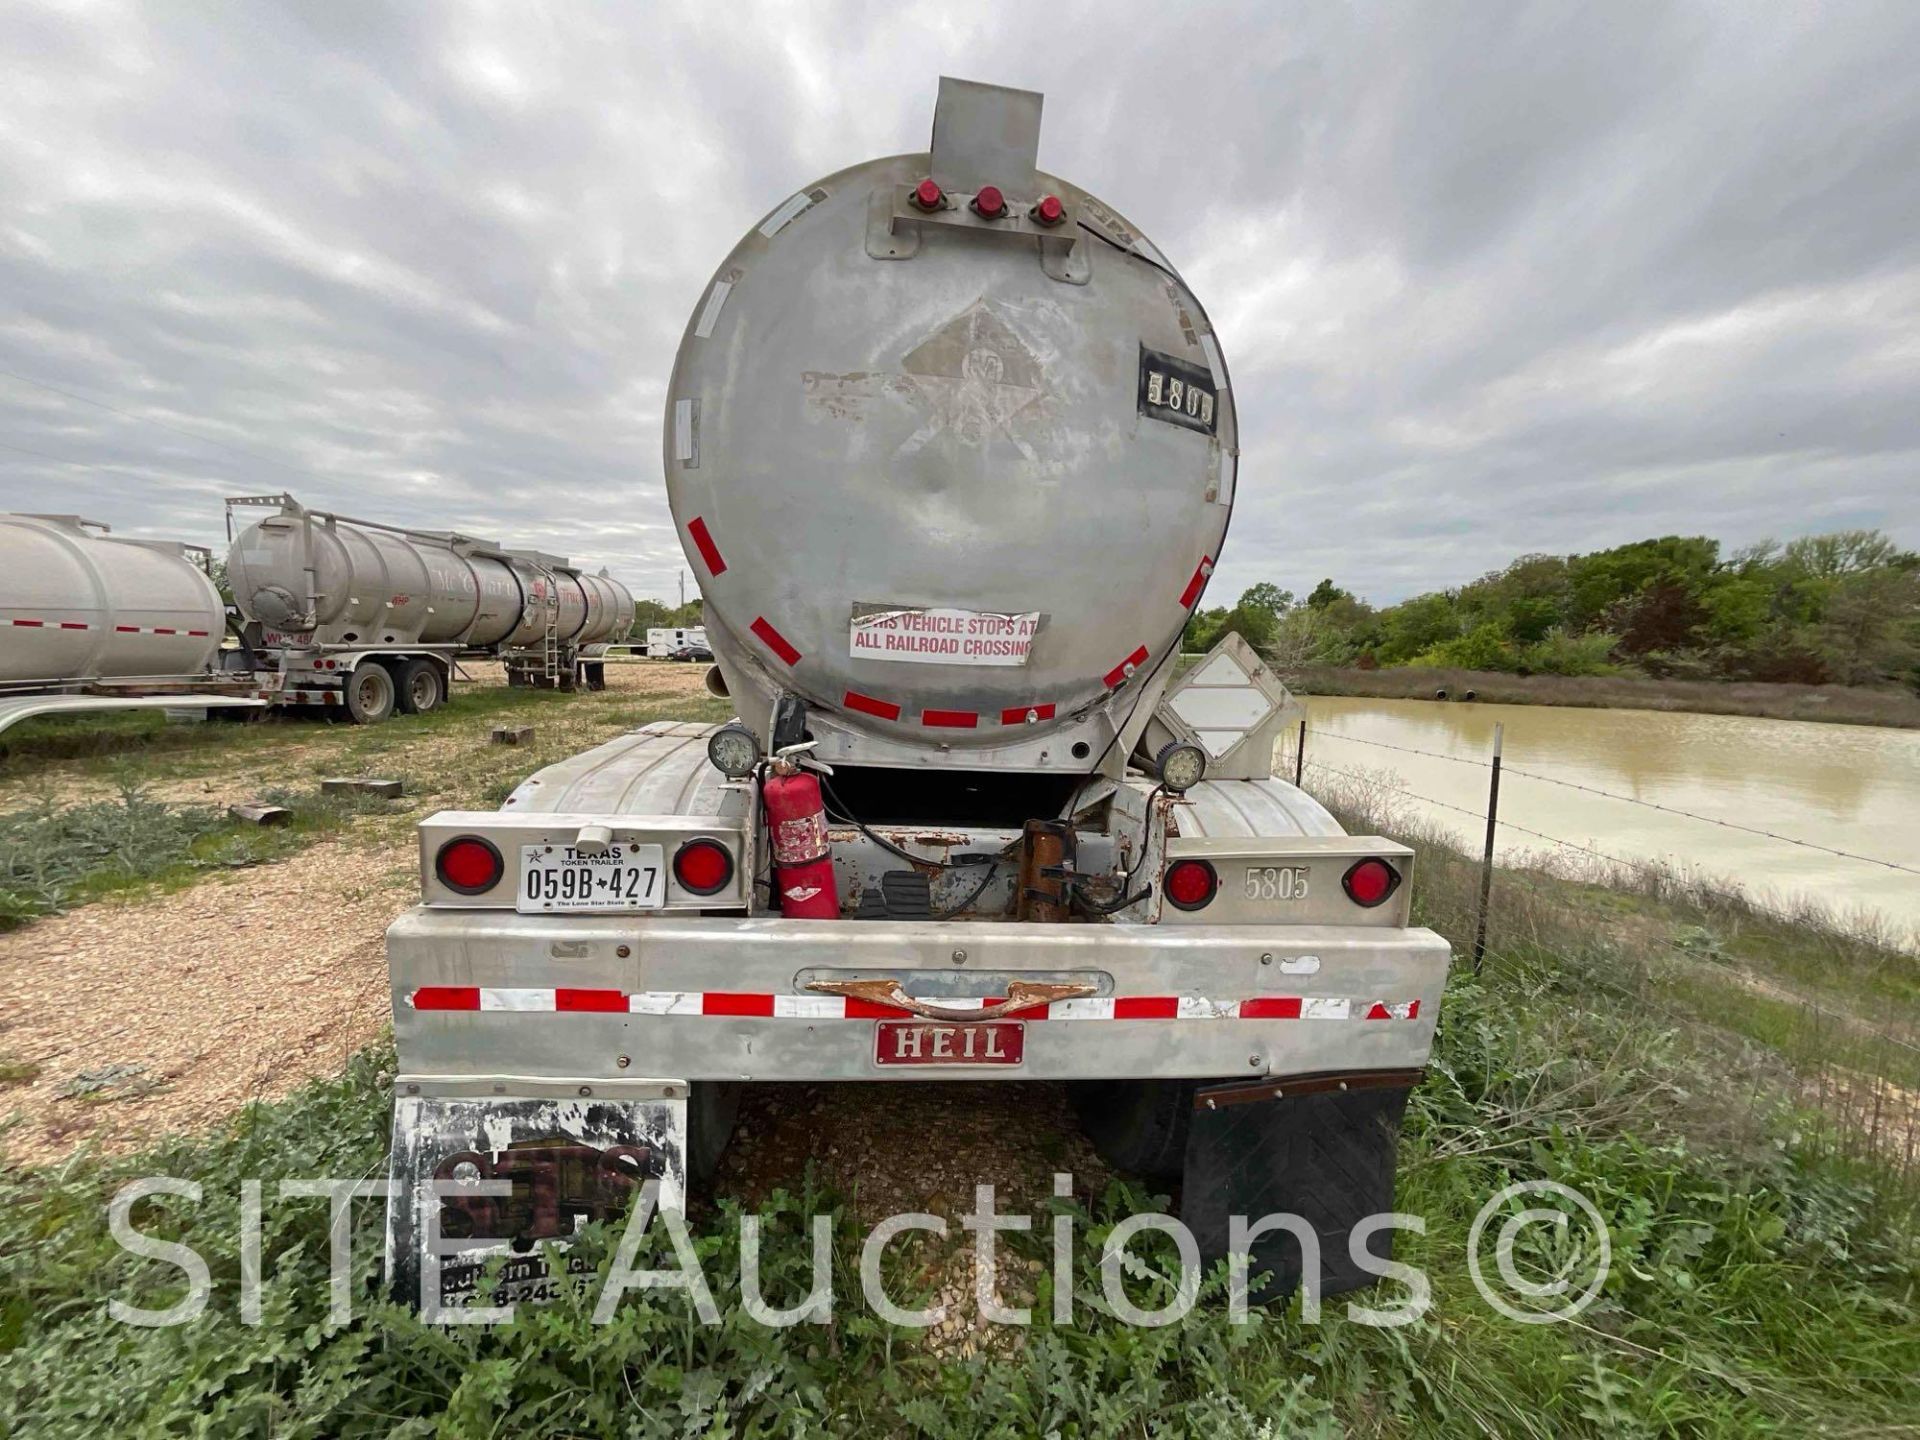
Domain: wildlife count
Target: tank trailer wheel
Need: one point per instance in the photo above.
(1138, 1126)
(370, 693)
(713, 1107)
(422, 687)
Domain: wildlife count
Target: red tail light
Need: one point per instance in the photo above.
(927, 195)
(1049, 211)
(1369, 882)
(469, 865)
(989, 203)
(1190, 884)
(703, 867)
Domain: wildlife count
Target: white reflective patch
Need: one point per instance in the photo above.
(516, 999)
(777, 221)
(1402, 1009)
(1095, 1008)
(1198, 1007)
(1223, 488)
(1300, 965)
(716, 297)
(1214, 367)
(683, 429)
(1326, 1009)
(664, 1002)
(810, 1007)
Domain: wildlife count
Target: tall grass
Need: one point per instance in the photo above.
(1807, 1009)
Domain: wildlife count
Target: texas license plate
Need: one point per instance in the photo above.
(933, 1042)
(622, 877)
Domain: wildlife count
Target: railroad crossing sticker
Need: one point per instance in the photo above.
(940, 636)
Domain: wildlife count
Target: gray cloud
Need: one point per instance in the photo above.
(1491, 278)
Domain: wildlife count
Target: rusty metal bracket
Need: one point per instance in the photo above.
(1215, 1097)
(1021, 995)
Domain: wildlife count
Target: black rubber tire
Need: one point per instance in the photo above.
(420, 686)
(713, 1106)
(370, 693)
(1138, 1126)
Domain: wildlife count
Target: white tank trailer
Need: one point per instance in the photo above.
(372, 616)
(90, 621)
(341, 613)
(951, 447)
(78, 604)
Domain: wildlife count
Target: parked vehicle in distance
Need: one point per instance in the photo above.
(663, 642)
(952, 450)
(692, 652)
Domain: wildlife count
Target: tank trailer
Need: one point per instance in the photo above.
(352, 615)
(371, 617)
(952, 449)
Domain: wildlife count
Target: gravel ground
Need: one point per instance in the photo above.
(894, 1148)
(157, 1015)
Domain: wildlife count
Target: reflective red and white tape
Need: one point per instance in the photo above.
(842, 1007)
(24, 624)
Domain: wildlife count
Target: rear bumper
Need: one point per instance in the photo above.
(496, 996)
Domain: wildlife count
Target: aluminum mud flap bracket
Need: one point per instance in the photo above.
(478, 1174)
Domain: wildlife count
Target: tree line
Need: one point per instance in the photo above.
(1840, 609)
(656, 615)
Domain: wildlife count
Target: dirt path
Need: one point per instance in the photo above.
(163, 1015)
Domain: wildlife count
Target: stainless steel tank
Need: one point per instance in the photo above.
(77, 603)
(351, 582)
(951, 449)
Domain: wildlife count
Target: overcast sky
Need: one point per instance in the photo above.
(1491, 278)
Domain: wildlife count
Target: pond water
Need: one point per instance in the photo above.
(1847, 787)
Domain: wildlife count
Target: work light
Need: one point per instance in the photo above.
(1181, 766)
(733, 751)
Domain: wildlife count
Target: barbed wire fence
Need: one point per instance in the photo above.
(1780, 1036)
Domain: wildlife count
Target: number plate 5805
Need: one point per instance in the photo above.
(1276, 882)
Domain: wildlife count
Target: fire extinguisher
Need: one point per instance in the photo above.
(802, 854)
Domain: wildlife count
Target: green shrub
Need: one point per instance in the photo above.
(1559, 653)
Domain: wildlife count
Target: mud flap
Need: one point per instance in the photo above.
(1318, 1147)
(474, 1178)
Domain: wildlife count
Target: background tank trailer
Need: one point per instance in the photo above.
(372, 617)
(334, 612)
